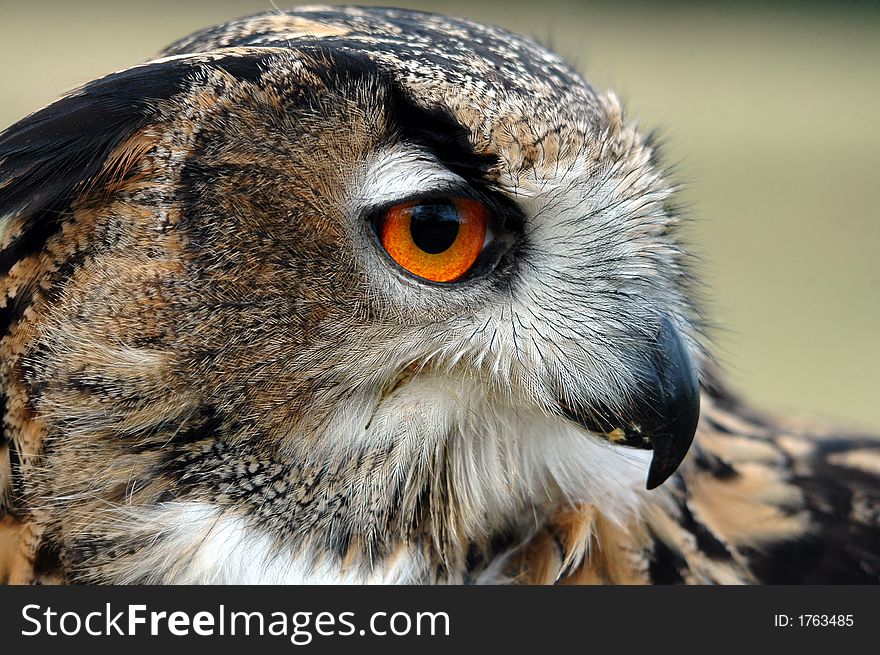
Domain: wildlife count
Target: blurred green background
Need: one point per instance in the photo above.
(771, 114)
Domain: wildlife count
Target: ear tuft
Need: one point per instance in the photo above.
(47, 158)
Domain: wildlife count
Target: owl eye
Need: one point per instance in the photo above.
(438, 240)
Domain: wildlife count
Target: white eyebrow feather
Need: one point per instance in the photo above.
(400, 172)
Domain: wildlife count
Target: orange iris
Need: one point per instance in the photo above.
(438, 240)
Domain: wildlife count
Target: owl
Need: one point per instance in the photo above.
(352, 295)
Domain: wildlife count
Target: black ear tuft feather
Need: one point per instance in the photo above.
(47, 156)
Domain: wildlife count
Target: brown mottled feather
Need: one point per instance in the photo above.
(181, 311)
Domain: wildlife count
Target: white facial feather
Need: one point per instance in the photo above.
(398, 172)
(202, 545)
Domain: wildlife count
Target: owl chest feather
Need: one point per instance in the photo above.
(432, 496)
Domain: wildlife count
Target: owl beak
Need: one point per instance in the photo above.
(663, 413)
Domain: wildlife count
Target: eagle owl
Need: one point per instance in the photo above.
(373, 295)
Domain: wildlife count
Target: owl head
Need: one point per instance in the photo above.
(347, 282)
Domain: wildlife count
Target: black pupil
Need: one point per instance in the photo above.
(434, 226)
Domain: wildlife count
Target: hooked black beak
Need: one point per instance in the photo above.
(664, 411)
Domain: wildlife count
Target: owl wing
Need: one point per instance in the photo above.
(795, 501)
(757, 500)
(839, 480)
